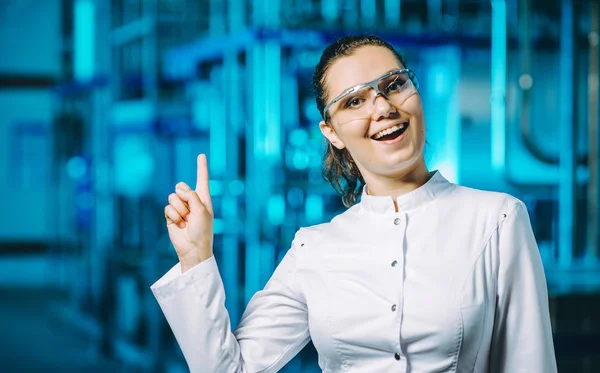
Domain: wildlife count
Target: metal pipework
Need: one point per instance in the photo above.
(594, 151)
(498, 85)
(525, 46)
(568, 137)
(498, 95)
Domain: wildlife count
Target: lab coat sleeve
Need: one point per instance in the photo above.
(273, 328)
(522, 335)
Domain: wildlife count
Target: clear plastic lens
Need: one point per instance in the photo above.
(359, 104)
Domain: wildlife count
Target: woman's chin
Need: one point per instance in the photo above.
(405, 157)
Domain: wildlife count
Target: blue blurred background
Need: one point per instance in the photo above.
(104, 106)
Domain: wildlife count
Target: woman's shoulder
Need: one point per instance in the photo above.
(481, 200)
(481, 208)
(482, 214)
(331, 231)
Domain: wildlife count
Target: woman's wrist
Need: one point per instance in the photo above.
(188, 263)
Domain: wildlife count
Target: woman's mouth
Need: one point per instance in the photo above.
(391, 133)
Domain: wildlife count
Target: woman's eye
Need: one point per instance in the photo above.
(396, 85)
(353, 102)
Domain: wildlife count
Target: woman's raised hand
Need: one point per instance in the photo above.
(189, 217)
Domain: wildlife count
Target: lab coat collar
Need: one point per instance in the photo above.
(436, 185)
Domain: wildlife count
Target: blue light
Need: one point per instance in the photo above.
(368, 12)
(315, 177)
(439, 75)
(314, 208)
(392, 12)
(85, 201)
(298, 137)
(295, 197)
(498, 84)
(442, 106)
(300, 160)
(216, 187)
(84, 40)
(310, 110)
(134, 165)
(218, 136)
(76, 167)
(314, 158)
(236, 187)
(329, 10)
(276, 209)
(218, 226)
(273, 92)
(259, 102)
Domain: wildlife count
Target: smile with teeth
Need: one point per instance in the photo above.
(388, 131)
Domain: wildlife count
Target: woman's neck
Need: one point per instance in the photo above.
(398, 185)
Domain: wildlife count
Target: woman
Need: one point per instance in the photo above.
(418, 275)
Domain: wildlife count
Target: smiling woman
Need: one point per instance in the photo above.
(418, 274)
(375, 123)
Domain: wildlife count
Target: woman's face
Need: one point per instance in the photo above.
(392, 156)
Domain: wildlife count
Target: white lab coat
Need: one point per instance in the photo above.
(453, 282)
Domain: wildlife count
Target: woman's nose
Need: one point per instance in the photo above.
(382, 108)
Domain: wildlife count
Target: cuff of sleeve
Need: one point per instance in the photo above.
(174, 281)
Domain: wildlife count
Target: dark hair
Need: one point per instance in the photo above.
(338, 166)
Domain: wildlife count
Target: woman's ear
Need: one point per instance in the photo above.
(330, 134)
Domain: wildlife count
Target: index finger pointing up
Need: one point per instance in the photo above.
(202, 182)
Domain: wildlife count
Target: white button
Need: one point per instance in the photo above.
(397, 221)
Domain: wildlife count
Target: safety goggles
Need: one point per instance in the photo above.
(358, 102)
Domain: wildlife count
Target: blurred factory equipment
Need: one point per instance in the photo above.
(148, 84)
(232, 79)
